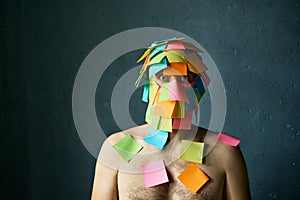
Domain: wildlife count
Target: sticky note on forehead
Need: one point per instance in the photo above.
(154, 173)
(193, 178)
(127, 147)
(227, 139)
(191, 151)
(176, 68)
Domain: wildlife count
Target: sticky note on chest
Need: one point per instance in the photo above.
(193, 178)
(191, 151)
(127, 147)
(154, 173)
(227, 139)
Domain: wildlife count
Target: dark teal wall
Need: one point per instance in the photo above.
(255, 45)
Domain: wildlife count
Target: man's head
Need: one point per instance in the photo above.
(173, 85)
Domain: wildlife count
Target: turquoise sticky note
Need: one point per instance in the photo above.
(145, 93)
(157, 49)
(155, 68)
(157, 138)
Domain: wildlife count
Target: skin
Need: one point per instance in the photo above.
(224, 165)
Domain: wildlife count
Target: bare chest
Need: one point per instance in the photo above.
(131, 186)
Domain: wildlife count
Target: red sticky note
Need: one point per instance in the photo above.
(183, 123)
(227, 139)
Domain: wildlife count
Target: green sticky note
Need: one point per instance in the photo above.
(127, 147)
(164, 93)
(191, 151)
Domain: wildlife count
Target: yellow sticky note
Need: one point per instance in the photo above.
(165, 124)
(164, 108)
(193, 178)
(157, 58)
(175, 68)
(196, 61)
(174, 57)
(153, 88)
(191, 151)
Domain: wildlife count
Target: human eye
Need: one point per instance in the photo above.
(163, 78)
(184, 79)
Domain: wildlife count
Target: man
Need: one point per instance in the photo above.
(169, 157)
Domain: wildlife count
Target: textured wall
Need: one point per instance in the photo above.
(255, 45)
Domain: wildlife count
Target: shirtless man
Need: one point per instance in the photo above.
(223, 164)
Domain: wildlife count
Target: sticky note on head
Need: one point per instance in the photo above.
(154, 173)
(191, 151)
(127, 147)
(193, 178)
(227, 139)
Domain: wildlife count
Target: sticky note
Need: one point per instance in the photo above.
(127, 147)
(157, 138)
(147, 52)
(183, 123)
(205, 78)
(175, 45)
(192, 68)
(227, 139)
(153, 88)
(155, 68)
(179, 110)
(164, 108)
(191, 151)
(165, 124)
(191, 97)
(157, 58)
(191, 47)
(193, 178)
(145, 92)
(157, 49)
(177, 91)
(164, 92)
(172, 57)
(175, 69)
(154, 173)
(196, 61)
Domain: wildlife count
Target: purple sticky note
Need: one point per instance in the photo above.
(178, 91)
(227, 139)
(155, 173)
(183, 123)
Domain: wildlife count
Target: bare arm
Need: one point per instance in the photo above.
(105, 183)
(237, 184)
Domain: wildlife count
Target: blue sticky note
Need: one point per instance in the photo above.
(153, 69)
(157, 49)
(199, 85)
(157, 138)
(145, 93)
(191, 96)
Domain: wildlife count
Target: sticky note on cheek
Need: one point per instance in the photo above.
(193, 178)
(227, 139)
(154, 173)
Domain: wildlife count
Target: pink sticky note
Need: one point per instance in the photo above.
(175, 45)
(178, 91)
(183, 123)
(227, 139)
(154, 173)
(205, 78)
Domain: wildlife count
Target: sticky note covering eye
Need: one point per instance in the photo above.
(193, 178)
(127, 147)
(191, 151)
(157, 138)
(154, 173)
(227, 139)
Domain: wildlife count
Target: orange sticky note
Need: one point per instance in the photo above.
(164, 108)
(193, 178)
(175, 68)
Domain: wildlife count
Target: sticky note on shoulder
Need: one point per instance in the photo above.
(155, 173)
(193, 178)
(227, 139)
(127, 147)
(191, 151)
